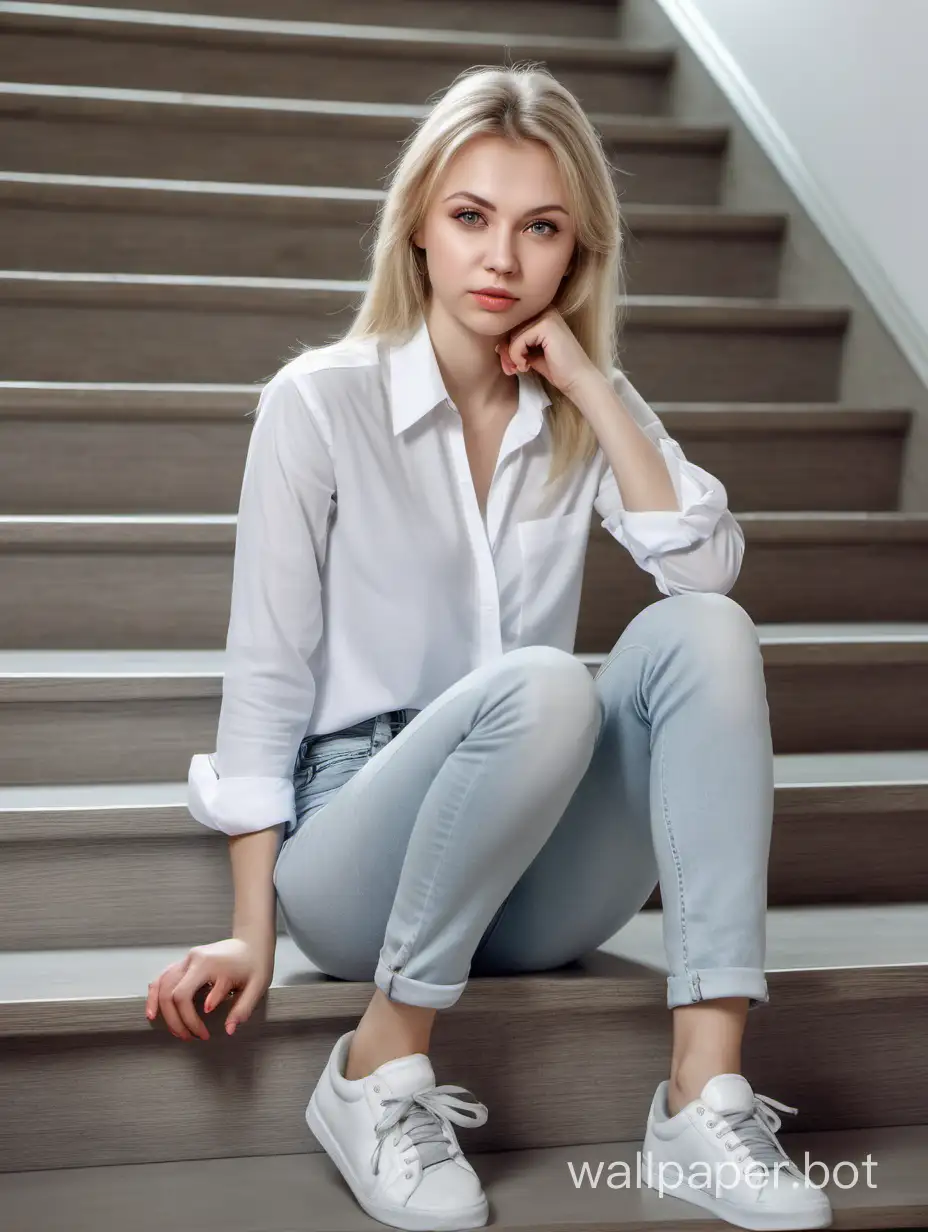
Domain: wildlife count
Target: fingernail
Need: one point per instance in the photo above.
(230, 1027)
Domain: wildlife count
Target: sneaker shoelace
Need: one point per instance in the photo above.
(756, 1128)
(425, 1116)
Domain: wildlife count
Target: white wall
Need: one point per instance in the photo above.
(846, 82)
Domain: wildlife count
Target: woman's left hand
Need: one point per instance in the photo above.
(547, 345)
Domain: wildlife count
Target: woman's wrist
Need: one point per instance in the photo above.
(258, 933)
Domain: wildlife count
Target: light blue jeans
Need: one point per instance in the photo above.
(527, 813)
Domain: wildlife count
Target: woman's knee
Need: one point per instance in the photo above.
(556, 685)
(701, 618)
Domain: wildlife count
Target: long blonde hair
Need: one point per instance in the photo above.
(521, 102)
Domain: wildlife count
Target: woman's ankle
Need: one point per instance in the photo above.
(387, 1031)
(362, 1062)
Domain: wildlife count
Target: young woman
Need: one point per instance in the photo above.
(408, 750)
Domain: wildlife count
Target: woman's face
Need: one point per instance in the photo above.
(502, 240)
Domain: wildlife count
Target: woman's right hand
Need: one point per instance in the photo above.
(225, 966)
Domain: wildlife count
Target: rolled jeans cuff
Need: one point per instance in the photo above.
(415, 992)
(708, 984)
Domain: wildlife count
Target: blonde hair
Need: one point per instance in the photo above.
(521, 102)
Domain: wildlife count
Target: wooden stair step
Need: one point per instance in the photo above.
(79, 859)
(600, 1024)
(591, 18)
(170, 576)
(196, 328)
(186, 135)
(98, 989)
(99, 223)
(536, 1189)
(207, 53)
(181, 449)
(129, 716)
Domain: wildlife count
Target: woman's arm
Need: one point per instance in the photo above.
(275, 622)
(697, 547)
(253, 858)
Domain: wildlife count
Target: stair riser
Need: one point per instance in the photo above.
(377, 74)
(140, 1098)
(137, 598)
(294, 152)
(133, 465)
(68, 893)
(243, 339)
(177, 242)
(580, 18)
(780, 580)
(813, 710)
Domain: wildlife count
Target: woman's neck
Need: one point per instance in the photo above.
(471, 371)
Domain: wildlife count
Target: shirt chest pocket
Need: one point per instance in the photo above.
(552, 554)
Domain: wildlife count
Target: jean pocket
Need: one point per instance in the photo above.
(324, 771)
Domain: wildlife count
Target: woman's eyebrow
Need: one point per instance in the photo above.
(539, 209)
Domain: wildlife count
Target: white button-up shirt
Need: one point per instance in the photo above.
(366, 579)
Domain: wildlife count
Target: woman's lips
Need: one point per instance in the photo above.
(495, 303)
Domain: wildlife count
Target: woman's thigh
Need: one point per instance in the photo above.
(599, 867)
(337, 875)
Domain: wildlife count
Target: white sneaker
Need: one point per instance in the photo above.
(390, 1136)
(729, 1125)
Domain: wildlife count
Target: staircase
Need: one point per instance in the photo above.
(186, 193)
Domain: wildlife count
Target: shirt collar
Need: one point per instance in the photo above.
(416, 387)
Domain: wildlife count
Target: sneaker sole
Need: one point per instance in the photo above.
(396, 1216)
(732, 1214)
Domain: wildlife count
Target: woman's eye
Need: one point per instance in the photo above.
(539, 222)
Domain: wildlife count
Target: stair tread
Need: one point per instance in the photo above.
(35, 390)
(87, 401)
(789, 770)
(528, 1189)
(109, 99)
(802, 524)
(798, 939)
(261, 32)
(210, 662)
(127, 287)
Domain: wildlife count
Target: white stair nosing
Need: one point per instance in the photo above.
(612, 125)
(797, 772)
(19, 664)
(829, 935)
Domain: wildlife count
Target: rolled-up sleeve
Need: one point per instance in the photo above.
(697, 547)
(275, 621)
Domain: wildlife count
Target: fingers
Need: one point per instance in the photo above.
(181, 1004)
(246, 1002)
(218, 991)
(160, 998)
(173, 991)
(151, 1002)
(508, 366)
(172, 1017)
